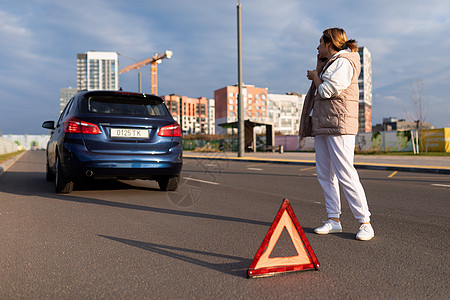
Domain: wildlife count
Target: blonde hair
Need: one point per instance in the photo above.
(338, 39)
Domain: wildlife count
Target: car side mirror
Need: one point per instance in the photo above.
(49, 125)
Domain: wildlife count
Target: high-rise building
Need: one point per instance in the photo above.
(365, 91)
(97, 71)
(65, 94)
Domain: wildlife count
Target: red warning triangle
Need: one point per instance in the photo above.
(264, 265)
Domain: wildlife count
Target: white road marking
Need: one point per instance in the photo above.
(203, 181)
(444, 185)
(307, 169)
(255, 169)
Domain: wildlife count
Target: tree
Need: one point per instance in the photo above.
(418, 105)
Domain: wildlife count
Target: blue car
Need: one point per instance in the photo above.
(114, 134)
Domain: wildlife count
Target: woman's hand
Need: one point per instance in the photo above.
(312, 74)
(302, 142)
(321, 62)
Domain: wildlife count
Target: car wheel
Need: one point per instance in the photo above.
(49, 175)
(169, 183)
(63, 185)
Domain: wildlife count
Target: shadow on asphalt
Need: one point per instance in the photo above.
(343, 235)
(237, 268)
(34, 184)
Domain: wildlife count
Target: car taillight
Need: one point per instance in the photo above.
(171, 130)
(75, 125)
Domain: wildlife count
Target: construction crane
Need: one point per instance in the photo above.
(153, 61)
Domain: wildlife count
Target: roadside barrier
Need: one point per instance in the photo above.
(7, 146)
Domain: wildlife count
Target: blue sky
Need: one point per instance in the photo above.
(41, 38)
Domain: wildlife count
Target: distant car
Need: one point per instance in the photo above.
(114, 134)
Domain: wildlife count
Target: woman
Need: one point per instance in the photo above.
(333, 99)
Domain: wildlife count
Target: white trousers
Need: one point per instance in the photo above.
(334, 165)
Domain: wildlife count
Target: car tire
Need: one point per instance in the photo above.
(169, 183)
(63, 185)
(49, 175)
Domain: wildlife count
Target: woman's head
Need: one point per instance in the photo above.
(338, 39)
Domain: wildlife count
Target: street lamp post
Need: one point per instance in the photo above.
(241, 129)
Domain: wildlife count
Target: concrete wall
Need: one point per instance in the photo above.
(27, 141)
(7, 146)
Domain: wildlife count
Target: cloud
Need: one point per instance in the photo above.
(40, 40)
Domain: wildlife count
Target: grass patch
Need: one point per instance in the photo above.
(5, 157)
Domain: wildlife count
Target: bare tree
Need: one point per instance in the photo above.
(420, 114)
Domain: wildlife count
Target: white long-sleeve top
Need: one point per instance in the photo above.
(337, 77)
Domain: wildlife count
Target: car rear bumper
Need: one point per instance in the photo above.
(81, 163)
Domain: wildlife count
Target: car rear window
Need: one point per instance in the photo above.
(125, 105)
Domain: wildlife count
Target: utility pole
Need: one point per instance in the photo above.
(181, 113)
(241, 124)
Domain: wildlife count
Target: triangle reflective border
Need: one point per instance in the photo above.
(263, 265)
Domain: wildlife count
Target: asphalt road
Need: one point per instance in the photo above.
(127, 239)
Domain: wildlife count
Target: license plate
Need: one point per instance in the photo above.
(129, 133)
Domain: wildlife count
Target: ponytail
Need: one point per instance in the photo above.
(350, 44)
(338, 39)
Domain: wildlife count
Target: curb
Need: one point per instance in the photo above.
(7, 164)
(367, 166)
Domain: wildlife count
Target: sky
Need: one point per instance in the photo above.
(40, 39)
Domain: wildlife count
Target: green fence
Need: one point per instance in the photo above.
(215, 145)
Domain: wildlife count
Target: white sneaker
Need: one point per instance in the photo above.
(365, 233)
(329, 226)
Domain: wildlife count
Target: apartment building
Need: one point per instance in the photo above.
(255, 105)
(195, 115)
(97, 70)
(65, 94)
(285, 111)
(365, 91)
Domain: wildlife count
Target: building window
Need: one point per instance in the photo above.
(230, 101)
(231, 107)
(174, 107)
